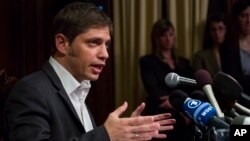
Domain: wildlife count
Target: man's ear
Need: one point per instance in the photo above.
(61, 43)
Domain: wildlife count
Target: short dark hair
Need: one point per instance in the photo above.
(217, 17)
(214, 17)
(238, 7)
(77, 17)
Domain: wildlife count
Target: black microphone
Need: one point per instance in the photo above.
(201, 112)
(228, 91)
(231, 89)
(173, 80)
(226, 86)
(198, 94)
(204, 80)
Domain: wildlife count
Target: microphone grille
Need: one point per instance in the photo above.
(172, 79)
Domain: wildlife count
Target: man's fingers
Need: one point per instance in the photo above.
(138, 110)
(144, 136)
(162, 116)
(153, 127)
(160, 136)
(148, 135)
(167, 122)
(120, 109)
(133, 121)
(166, 128)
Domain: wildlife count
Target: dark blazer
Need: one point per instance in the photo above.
(153, 73)
(205, 59)
(38, 108)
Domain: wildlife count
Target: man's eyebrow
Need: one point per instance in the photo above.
(98, 38)
(95, 38)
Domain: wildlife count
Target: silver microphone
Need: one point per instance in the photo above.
(173, 80)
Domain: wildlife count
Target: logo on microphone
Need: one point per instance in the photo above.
(193, 103)
(199, 111)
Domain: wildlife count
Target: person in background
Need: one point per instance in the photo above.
(50, 104)
(238, 61)
(154, 67)
(211, 55)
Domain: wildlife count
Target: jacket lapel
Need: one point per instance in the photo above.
(48, 69)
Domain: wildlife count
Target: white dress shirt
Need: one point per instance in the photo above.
(76, 91)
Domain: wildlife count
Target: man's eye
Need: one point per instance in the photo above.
(108, 44)
(93, 43)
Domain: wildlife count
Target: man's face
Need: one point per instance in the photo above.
(218, 32)
(87, 54)
(244, 20)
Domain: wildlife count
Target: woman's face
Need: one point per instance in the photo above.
(167, 40)
(218, 32)
(244, 21)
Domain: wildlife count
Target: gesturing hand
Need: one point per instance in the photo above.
(162, 119)
(136, 128)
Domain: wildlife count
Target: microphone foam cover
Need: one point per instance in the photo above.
(197, 94)
(226, 86)
(203, 77)
(226, 89)
(177, 98)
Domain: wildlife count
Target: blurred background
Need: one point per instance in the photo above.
(25, 31)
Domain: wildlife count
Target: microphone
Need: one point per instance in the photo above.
(241, 120)
(226, 87)
(229, 91)
(201, 112)
(242, 109)
(204, 80)
(173, 80)
(197, 94)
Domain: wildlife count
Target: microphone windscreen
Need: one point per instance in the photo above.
(177, 98)
(226, 86)
(226, 89)
(203, 77)
(197, 94)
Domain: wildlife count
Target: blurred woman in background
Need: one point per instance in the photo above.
(154, 68)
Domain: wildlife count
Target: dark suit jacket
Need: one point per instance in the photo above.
(38, 108)
(205, 59)
(153, 73)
